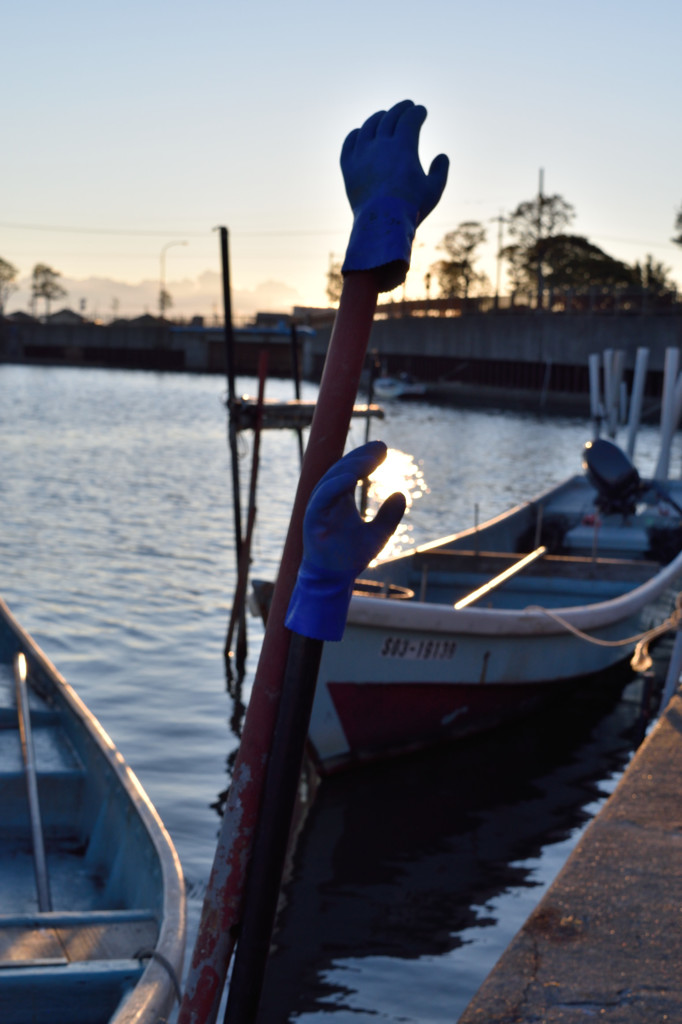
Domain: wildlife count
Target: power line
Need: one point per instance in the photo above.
(164, 234)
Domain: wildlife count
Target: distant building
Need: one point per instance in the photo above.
(65, 316)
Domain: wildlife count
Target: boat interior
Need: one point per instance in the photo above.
(85, 912)
(595, 537)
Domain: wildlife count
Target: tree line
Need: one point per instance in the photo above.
(44, 284)
(543, 259)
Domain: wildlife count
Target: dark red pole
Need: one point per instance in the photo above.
(221, 912)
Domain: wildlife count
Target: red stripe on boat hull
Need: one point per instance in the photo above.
(390, 717)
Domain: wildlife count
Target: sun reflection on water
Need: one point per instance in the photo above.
(398, 472)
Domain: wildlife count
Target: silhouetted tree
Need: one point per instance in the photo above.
(530, 226)
(8, 273)
(334, 280)
(45, 285)
(572, 261)
(678, 227)
(457, 275)
(655, 277)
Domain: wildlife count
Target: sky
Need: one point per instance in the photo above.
(132, 130)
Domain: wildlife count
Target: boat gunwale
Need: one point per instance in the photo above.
(153, 995)
(428, 617)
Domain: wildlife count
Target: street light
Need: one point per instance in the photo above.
(162, 289)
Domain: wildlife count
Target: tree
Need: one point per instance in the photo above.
(655, 278)
(8, 273)
(572, 261)
(45, 285)
(457, 275)
(165, 301)
(334, 280)
(531, 224)
(678, 227)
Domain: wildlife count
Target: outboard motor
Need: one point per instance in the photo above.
(615, 478)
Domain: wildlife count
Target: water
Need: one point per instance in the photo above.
(116, 553)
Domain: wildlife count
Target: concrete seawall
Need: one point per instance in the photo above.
(505, 358)
(605, 943)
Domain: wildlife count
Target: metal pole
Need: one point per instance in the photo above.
(270, 844)
(39, 861)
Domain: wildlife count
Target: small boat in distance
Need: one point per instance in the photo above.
(92, 912)
(402, 386)
(456, 636)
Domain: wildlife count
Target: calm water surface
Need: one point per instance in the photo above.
(116, 553)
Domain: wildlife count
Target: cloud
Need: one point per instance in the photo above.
(105, 298)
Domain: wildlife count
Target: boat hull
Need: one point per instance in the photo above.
(412, 672)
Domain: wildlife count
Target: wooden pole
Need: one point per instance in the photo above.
(238, 613)
(295, 373)
(232, 427)
(221, 914)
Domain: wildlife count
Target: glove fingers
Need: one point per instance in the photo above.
(362, 461)
(409, 125)
(343, 476)
(435, 184)
(391, 119)
(349, 145)
(369, 128)
(385, 522)
(330, 488)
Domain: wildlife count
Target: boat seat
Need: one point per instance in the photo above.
(82, 993)
(491, 563)
(67, 938)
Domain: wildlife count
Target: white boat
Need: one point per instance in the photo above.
(92, 912)
(458, 635)
(403, 386)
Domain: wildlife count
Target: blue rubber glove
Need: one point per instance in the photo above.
(338, 545)
(388, 191)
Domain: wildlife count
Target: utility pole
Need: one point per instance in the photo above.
(541, 284)
(501, 219)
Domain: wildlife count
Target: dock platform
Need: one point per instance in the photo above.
(282, 415)
(605, 943)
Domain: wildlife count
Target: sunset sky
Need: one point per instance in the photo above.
(129, 126)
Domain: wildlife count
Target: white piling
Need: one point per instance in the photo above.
(608, 388)
(668, 421)
(595, 405)
(617, 366)
(673, 676)
(637, 397)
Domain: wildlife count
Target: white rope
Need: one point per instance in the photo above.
(673, 622)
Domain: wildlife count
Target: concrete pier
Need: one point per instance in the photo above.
(605, 943)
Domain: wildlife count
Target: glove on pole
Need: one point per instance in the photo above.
(222, 909)
(388, 191)
(338, 545)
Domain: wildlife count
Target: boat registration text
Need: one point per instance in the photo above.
(417, 650)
